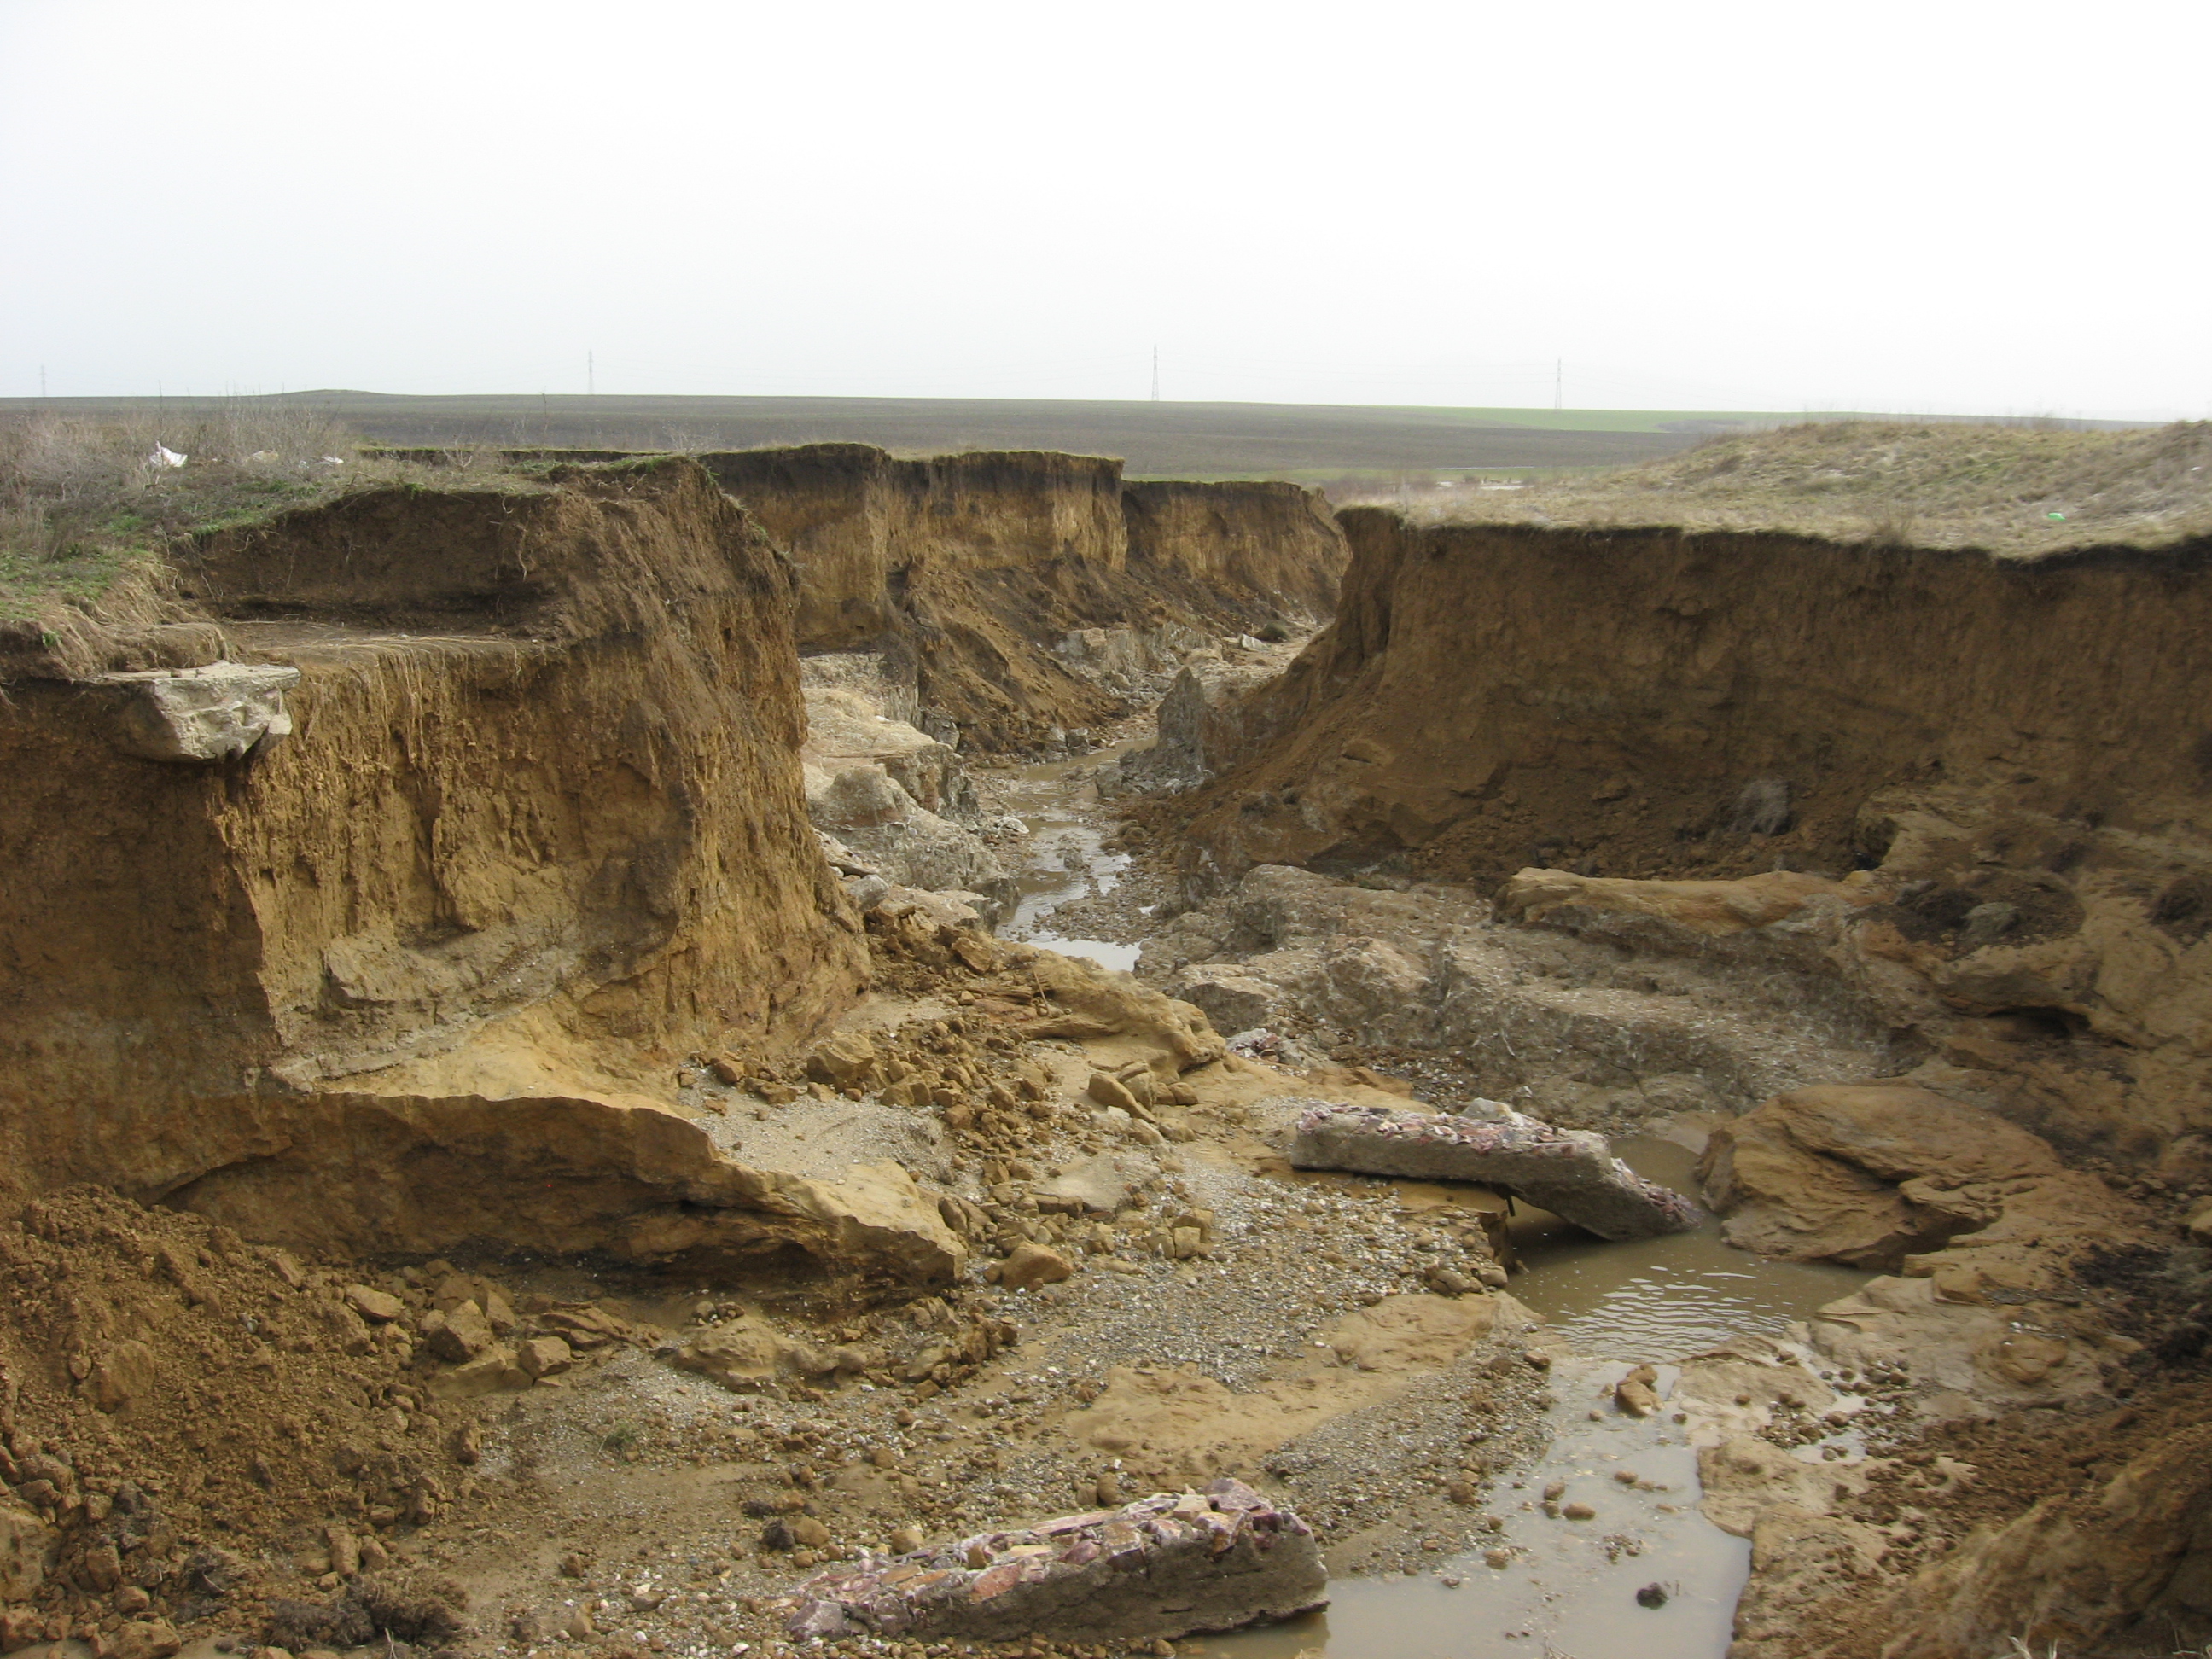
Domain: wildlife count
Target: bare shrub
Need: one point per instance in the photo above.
(1893, 526)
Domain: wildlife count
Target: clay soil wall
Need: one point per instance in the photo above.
(1494, 697)
(1258, 536)
(2018, 756)
(965, 569)
(540, 831)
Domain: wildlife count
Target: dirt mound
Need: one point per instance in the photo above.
(176, 1403)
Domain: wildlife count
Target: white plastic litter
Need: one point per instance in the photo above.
(165, 456)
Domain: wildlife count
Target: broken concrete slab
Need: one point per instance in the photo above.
(1169, 1566)
(1569, 1172)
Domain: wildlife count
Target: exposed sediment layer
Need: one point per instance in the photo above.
(967, 569)
(1490, 696)
(2015, 753)
(540, 831)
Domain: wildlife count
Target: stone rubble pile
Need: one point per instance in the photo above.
(1168, 1566)
(1569, 1172)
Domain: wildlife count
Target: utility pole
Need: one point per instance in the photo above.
(42, 383)
(591, 375)
(1559, 383)
(1156, 375)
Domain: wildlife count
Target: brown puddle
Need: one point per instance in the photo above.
(1570, 1588)
(1661, 1299)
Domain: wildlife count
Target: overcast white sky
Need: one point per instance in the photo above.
(1923, 206)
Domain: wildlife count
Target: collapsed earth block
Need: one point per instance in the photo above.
(1568, 1172)
(201, 716)
(1167, 1566)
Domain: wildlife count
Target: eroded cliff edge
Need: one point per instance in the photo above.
(1492, 696)
(2018, 749)
(1018, 592)
(1964, 800)
(537, 830)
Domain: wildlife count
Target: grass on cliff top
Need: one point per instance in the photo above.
(2013, 490)
(86, 505)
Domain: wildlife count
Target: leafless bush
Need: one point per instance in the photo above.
(1891, 525)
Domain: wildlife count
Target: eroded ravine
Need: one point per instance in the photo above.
(1648, 1573)
(581, 940)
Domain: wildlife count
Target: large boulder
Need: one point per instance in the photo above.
(1199, 722)
(1865, 1175)
(201, 716)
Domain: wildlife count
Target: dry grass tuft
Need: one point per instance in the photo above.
(2015, 491)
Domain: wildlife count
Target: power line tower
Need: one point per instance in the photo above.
(1156, 375)
(1559, 383)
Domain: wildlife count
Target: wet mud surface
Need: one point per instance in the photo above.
(1646, 1572)
(1067, 859)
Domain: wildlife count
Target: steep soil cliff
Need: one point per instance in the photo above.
(1656, 702)
(966, 570)
(1260, 537)
(2016, 750)
(537, 832)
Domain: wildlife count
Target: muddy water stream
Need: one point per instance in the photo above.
(1569, 1590)
(1067, 859)
(1650, 1577)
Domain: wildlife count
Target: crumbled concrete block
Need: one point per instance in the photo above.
(1171, 1565)
(1569, 1172)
